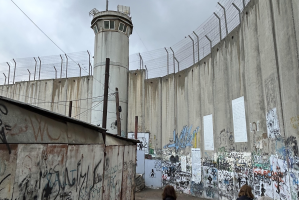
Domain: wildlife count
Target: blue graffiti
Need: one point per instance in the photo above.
(184, 139)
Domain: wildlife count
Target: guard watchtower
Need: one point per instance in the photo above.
(112, 31)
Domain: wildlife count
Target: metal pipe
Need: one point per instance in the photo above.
(8, 72)
(239, 10)
(5, 79)
(55, 72)
(141, 60)
(219, 19)
(40, 68)
(167, 61)
(224, 17)
(178, 64)
(61, 67)
(14, 73)
(34, 68)
(80, 69)
(88, 62)
(107, 5)
(146, 76)
(29, 74)
(197, 45)
(193, 49)
(210, 42)
(67, 61)
(173, 60)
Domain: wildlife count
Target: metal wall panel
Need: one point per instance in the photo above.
(85, 171)
(113, 172)
(129, 171)
(27, 179)
(8, 164)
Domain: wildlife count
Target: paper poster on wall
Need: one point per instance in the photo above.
(239, 120)
(208, 132)
(183, 163)
(196, 165)
(152, 174)
(144, 141)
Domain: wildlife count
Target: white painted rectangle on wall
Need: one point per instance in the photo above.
(183, 163)
(143, 138)
(153, 177)
(140, 162)
(239, 120)
(196, 165)
(208, 132)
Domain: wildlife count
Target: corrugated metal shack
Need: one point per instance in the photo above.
(45, 155)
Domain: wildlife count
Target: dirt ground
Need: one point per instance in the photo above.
(150, 194)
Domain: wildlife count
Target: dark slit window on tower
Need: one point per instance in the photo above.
(95, 28)
(125, 29)
(106, 24)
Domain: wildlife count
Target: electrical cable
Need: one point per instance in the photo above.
(49, 37)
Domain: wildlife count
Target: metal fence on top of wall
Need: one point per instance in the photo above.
(194, 47)
(46, 67)
(157, 63)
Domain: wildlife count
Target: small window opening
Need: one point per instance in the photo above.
(125, 28)
(106, 24)
(121, 26)
(112, 25)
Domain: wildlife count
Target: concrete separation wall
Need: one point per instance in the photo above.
(55, 95)
(255, 70)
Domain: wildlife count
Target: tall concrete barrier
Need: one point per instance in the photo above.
(237, 106)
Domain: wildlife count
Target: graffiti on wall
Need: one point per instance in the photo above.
(272, 124)
(144, 141)
(65, 172)
(184, 139)
(177, 165)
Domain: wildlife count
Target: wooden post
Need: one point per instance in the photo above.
(136, 127)
(106, 93)
(117, 112)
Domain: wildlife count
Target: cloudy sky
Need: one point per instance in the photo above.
(157, 24)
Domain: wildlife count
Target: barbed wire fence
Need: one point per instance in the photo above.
(157, 63)
(47, 67)
(194, 47)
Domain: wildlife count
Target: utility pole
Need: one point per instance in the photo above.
(106, 96)
(117, 112)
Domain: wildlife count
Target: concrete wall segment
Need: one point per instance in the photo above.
(287, 59)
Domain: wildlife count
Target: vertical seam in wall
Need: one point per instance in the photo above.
(276, 58)
(295, 33)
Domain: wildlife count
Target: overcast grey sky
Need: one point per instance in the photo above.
(157, 24)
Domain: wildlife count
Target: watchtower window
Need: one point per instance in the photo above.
(122, 27)
(112, 26)
(106, 24)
